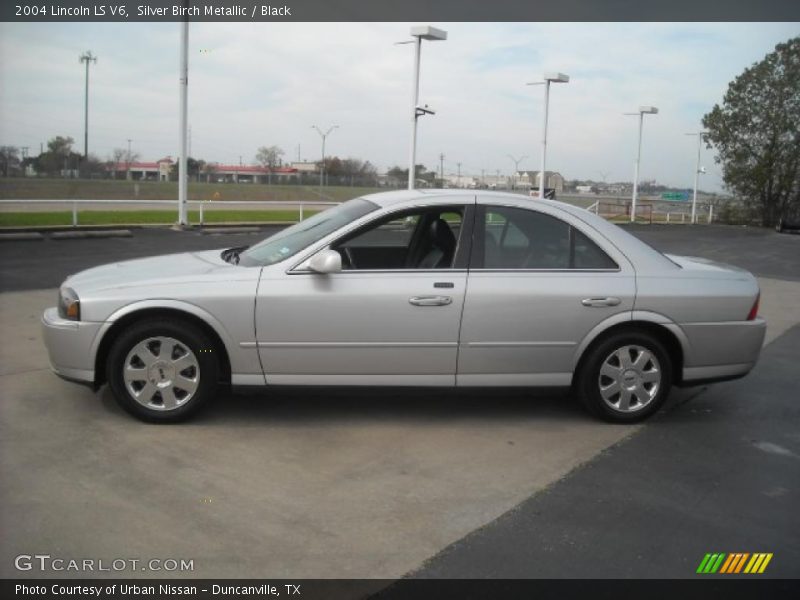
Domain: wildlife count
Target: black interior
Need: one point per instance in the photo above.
(423, 241)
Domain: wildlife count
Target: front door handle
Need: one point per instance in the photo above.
(600, 301)
(430, 300)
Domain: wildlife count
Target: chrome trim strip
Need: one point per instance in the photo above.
(355, 344)
(518, 344)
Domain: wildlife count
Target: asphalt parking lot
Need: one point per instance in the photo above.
(386, 484)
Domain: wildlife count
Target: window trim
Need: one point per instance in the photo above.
(478, 245)
(463, 242)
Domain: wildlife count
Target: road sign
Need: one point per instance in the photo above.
(675, 196)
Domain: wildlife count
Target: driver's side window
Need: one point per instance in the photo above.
(414, 239)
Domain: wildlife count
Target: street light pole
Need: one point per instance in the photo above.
(322, 164)
(643, 110)
(87, 57)
(419, 34)
(516, 162)
(548, 78)
(183, 176)
(697, 171)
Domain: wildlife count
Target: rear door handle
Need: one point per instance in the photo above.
(600, 301)
(430, 300)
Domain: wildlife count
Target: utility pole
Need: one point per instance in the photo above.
(459, 174)
(128, 161)
(441, 167)
(497, 181)
(87, 57)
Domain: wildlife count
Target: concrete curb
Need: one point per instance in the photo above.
(21, 236)
(224, 230)
(79, 235)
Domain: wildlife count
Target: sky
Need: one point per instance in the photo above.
(263, 84)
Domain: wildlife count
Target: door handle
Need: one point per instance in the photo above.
(430, 300)
(611, 301)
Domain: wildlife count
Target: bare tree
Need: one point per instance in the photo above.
(118, 157)
(269, 157)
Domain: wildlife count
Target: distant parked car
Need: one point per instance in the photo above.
(412, 288)
(789, 222)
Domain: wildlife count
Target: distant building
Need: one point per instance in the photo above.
(142, 171)
(531, 179)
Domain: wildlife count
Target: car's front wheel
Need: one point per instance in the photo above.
(162, 370)
(625, 378)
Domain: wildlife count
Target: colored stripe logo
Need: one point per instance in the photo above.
(733, 563)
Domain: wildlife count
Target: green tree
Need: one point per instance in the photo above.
(756, 132)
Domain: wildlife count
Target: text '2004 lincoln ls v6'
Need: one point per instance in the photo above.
(412, 288)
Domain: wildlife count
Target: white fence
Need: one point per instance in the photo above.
(203, 205)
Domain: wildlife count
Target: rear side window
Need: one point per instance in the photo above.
(516, 238)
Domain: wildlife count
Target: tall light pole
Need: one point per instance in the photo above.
(516, 162)
(546, 81)
(697, 170)
(183, 81)
(322, 164)
(128, 161)
(87, 57)
(643, 110)
(423, 32)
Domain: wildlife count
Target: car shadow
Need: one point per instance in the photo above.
(336, 404)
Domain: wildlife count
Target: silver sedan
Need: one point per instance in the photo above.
(412, 288)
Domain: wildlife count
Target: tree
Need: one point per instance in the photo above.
(59, 156)
(756, 132)
(9, 159)
(269, 157)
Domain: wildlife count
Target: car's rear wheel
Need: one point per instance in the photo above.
(162, 370)
(626, 377)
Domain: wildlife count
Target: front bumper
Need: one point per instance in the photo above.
(69, 346)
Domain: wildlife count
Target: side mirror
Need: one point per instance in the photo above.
(327, 261)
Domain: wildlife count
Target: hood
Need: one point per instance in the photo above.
(168, 268)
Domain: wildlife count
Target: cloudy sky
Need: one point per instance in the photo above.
(254, 84)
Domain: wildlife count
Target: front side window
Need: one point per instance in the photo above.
(424, 238)
(517, 238)
(290, 241)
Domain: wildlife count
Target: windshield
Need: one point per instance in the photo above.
(290, 241)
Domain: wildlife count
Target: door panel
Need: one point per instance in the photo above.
(530, 323)
(360, 324)
(537, 286)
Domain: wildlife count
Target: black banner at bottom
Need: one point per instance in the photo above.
(703, 587)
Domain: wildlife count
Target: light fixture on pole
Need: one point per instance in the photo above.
(87, 57)
(516, 162)
(697, 170)
(548, 78)
(322, 165)
(643, 110)
(419, 33)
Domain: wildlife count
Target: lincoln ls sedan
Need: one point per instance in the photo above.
(412, 288)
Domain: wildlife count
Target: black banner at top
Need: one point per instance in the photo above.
(398, 10)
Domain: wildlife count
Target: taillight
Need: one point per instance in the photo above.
(754, 311)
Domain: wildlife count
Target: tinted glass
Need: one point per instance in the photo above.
(516, 238)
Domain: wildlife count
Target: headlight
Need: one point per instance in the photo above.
(69, 306)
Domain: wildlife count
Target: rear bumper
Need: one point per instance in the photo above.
(69, 345)
(720, 351)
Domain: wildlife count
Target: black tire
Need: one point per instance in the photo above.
(589, 382)
(193, 347)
